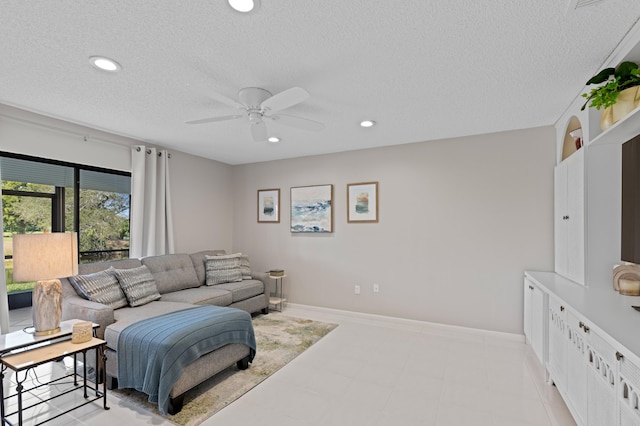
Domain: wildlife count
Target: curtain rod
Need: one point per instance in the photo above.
(85, 136)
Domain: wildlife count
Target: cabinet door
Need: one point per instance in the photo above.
(556, 364)
(601, 381)
(629, 393)
(575, 217)
(528, 297)
(534, 317)
(577, 368)
(560, 217)
(569, 217)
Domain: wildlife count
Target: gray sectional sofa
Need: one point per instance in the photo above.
(181, 282)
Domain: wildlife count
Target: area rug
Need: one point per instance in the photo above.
(279, 339)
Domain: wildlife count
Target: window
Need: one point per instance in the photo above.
(46, 196)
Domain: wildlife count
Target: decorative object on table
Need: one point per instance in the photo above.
(577, 137)
(618, 93)
(279, 339)
(626, 279)
(362, 202)
(81, 332)
(45, 257)
(269, 205)
(312, 209)
(276, 272)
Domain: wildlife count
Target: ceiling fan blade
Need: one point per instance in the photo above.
(297, 122)
(213, 119)
(259, 131)
(225, 100)
(286, 99)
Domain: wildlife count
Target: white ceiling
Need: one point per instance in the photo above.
(423, 69)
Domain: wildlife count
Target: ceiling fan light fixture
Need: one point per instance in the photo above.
(244, 6)
(367, 123)
(105, 64)
(274, 139)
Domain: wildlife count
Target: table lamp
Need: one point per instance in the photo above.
(44, 257)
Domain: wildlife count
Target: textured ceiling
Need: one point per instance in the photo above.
(423, 69)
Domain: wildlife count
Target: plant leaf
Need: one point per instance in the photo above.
(602, 76)
(625, 69)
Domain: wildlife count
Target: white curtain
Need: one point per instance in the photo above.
(151, 223)
(4, 300)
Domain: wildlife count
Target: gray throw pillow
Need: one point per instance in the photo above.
(222, 269)
(101, 287)
(245, 267)
(138, 285)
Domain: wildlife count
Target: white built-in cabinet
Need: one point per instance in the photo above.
(598, 378)
(569, 220)
(534, 320)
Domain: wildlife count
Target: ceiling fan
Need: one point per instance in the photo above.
(259, 105)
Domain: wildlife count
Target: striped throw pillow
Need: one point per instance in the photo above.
(138, 285)
(222, 269)
(101, 287)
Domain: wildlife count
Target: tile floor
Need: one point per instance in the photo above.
(368, 371)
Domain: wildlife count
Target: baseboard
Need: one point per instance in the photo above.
(408, 322)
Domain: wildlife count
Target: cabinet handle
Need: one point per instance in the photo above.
(619, 356)
(586, 329)
(530, 287)
(561, 308)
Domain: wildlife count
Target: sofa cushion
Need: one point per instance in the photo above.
(245, 267)
(198, 260)
(172, 272)
(101, 287)
(243, 290)
(223, 269)
(127, 316)
(138, 285)
(204, 295)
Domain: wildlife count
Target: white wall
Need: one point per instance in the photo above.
(200, 187)
(460, 220)
(201, 194)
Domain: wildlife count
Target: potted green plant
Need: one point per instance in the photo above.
(618, 92)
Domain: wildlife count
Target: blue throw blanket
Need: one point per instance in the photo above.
(152, 353)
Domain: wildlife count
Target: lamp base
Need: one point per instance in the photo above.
(47, 307)
(47, 332)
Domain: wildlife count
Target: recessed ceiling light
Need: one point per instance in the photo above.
(273, 139)
(367, 123)
(105, 64)
(244, 6)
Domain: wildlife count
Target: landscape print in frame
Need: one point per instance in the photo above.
(312, 209)
(268, 205)
(362, 202)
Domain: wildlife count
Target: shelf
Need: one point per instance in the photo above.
(276, 300)
(620, 132)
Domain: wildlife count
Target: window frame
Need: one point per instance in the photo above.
(58, 197)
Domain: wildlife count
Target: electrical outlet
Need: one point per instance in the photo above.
(376, 288)
(356, 289)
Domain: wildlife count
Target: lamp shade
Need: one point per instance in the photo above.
(44, 256)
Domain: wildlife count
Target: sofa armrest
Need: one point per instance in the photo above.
(262, 276)
(75, 307)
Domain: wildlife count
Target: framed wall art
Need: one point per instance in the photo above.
(312, 209)
(362, 202)
(268, 205)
